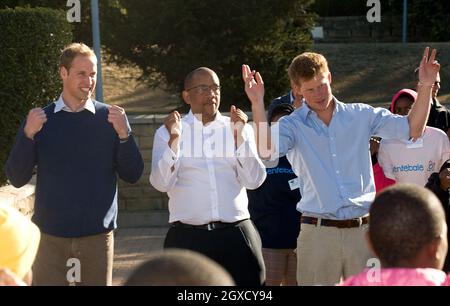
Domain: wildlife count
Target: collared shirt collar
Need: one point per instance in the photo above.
(60, 105)
(305, 111)
(291, 96)
(190, 118)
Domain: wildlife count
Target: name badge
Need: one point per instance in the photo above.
(294, 184)
(415, 145)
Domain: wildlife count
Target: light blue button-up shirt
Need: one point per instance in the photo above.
(333, 162)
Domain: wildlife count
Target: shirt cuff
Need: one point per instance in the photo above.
(25, 140)
(243, 150)
(170, 157)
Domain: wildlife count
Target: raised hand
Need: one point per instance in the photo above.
(238, 121)
(35, 121)
(173, 124)
(254, 85)
(118, 119)
(429, 68)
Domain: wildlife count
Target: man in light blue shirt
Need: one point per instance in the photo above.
(327, 141)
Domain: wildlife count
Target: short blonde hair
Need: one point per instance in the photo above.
(307, 65)
(73, 50)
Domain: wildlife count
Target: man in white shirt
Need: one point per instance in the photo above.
(205, 161)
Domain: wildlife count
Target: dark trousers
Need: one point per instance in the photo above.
(237, 248)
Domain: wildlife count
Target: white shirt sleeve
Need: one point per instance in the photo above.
(165, 162)
(250, 169)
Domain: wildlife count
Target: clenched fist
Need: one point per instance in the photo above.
(238, 121)
(35, 121)
(118, 119)
(173, 124)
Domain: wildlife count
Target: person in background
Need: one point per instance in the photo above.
(273, 210)
(439, 114)
(295, 100)
(439, 183)
(19, 242)
(407, 161)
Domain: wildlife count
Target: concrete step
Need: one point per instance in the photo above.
(145, 218)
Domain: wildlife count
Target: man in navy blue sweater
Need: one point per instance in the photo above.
(79, 147)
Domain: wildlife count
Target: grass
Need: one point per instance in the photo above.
(373, 73)
(364, 72)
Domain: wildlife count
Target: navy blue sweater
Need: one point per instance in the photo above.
(78, 157)
(273, 208)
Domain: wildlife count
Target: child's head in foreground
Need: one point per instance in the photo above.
(407, 228)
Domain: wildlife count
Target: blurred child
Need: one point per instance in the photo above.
(19, 241)
(180, 267)
(408, 233)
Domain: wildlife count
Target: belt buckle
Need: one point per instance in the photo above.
(211, 226)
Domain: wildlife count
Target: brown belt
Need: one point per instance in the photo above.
(336, 223)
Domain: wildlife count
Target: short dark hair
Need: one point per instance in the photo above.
(281, 109)
(177, 267)
(193, 73)
(73, 50)
(404, 219)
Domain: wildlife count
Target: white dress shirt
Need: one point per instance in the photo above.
(206, 178)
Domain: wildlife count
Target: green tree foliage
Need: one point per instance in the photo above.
(431, 18)
(167, 39)
(30, 45)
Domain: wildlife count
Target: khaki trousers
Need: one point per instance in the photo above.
(83, 261)
(326, 255)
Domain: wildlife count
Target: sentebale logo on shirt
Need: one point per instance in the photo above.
(408, 168)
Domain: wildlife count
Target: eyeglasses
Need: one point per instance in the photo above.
(204, 89)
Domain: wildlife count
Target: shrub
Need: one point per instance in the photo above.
(30, 43)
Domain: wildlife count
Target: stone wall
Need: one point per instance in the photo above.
(142, 196)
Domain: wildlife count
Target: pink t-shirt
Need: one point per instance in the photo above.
(399, 277)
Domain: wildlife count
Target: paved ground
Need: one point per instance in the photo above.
(132, 247)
